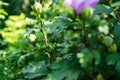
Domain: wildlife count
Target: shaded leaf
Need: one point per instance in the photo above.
(63, 70)
(102, 9)
(34, 70)
(112, 59)
(86, 57)
(117, 30)
(97, 57)
(118, 66)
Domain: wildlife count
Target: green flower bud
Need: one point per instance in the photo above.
(103, 22)
(37, 7)
(103, 27)
(107, 41)
(112, 48)
(100, 38)
(95, 20)
(86, 13)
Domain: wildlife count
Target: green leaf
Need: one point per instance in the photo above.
(3, 3)
(63, 70)
(2, 16)
(97, 57)
(116, 4)
(34, 70)
(87, 56)
(23, 57)
(118, 66)
(102, 9)
(112, 59)
(2, 11)
(62, 21)
(117, 30)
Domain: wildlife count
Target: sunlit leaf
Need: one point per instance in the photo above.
(116, 4)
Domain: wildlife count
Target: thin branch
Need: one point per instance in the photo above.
(44, 35)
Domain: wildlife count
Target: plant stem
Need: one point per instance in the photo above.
(85, 33)
(44, 35)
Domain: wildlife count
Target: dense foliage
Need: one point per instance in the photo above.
(46, 40)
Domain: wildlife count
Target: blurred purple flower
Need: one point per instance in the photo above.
(79, 5)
